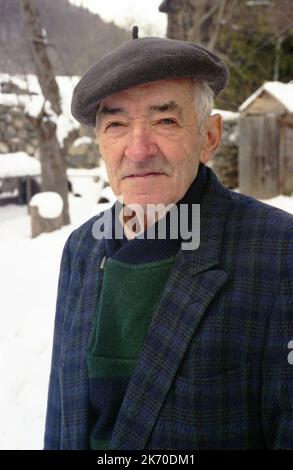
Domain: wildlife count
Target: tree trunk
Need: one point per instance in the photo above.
(53, 166)
(214, 37)
(38, 46)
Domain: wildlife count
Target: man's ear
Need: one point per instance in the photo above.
(212, 138)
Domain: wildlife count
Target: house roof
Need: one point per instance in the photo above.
(282, 92)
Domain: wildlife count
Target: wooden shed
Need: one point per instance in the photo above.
(266, 141)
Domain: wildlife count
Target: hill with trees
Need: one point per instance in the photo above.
(76, 37)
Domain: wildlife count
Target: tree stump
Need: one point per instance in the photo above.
(46, 213)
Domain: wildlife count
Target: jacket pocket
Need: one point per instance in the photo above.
(221, 411)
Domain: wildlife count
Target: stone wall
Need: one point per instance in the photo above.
(82, 150)
(18, 133)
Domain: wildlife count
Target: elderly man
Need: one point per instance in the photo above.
(159, 345)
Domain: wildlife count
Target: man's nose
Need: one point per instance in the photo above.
(140, 145)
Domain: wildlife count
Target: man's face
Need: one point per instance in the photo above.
(148, 137)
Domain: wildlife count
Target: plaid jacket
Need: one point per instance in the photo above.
(215, 369)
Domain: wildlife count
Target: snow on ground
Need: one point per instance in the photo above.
(282, 202)
(28, 280)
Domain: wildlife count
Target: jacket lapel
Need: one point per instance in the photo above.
(193, 282)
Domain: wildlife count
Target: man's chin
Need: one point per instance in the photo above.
(141, 201)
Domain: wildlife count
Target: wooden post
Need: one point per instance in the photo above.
(286, 155)
(259, 155)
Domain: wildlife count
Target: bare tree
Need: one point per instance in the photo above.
(195, 20)
(253, 37)
(218, 21)
(53, 166)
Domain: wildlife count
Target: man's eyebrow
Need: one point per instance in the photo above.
(107, 110)
(170, 106)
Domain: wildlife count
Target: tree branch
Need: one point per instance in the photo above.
(215, 35)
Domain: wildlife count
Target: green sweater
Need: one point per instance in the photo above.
(130, 294)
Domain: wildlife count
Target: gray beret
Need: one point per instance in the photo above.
(144, 60)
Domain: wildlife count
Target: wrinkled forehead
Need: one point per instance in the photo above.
(177, 93)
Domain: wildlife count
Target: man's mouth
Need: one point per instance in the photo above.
(143, 175)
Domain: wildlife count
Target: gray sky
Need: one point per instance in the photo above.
(125, 12)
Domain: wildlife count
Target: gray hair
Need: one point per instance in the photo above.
(203, 102)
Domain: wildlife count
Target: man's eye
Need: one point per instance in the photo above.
(113, 125)
(168, 121)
